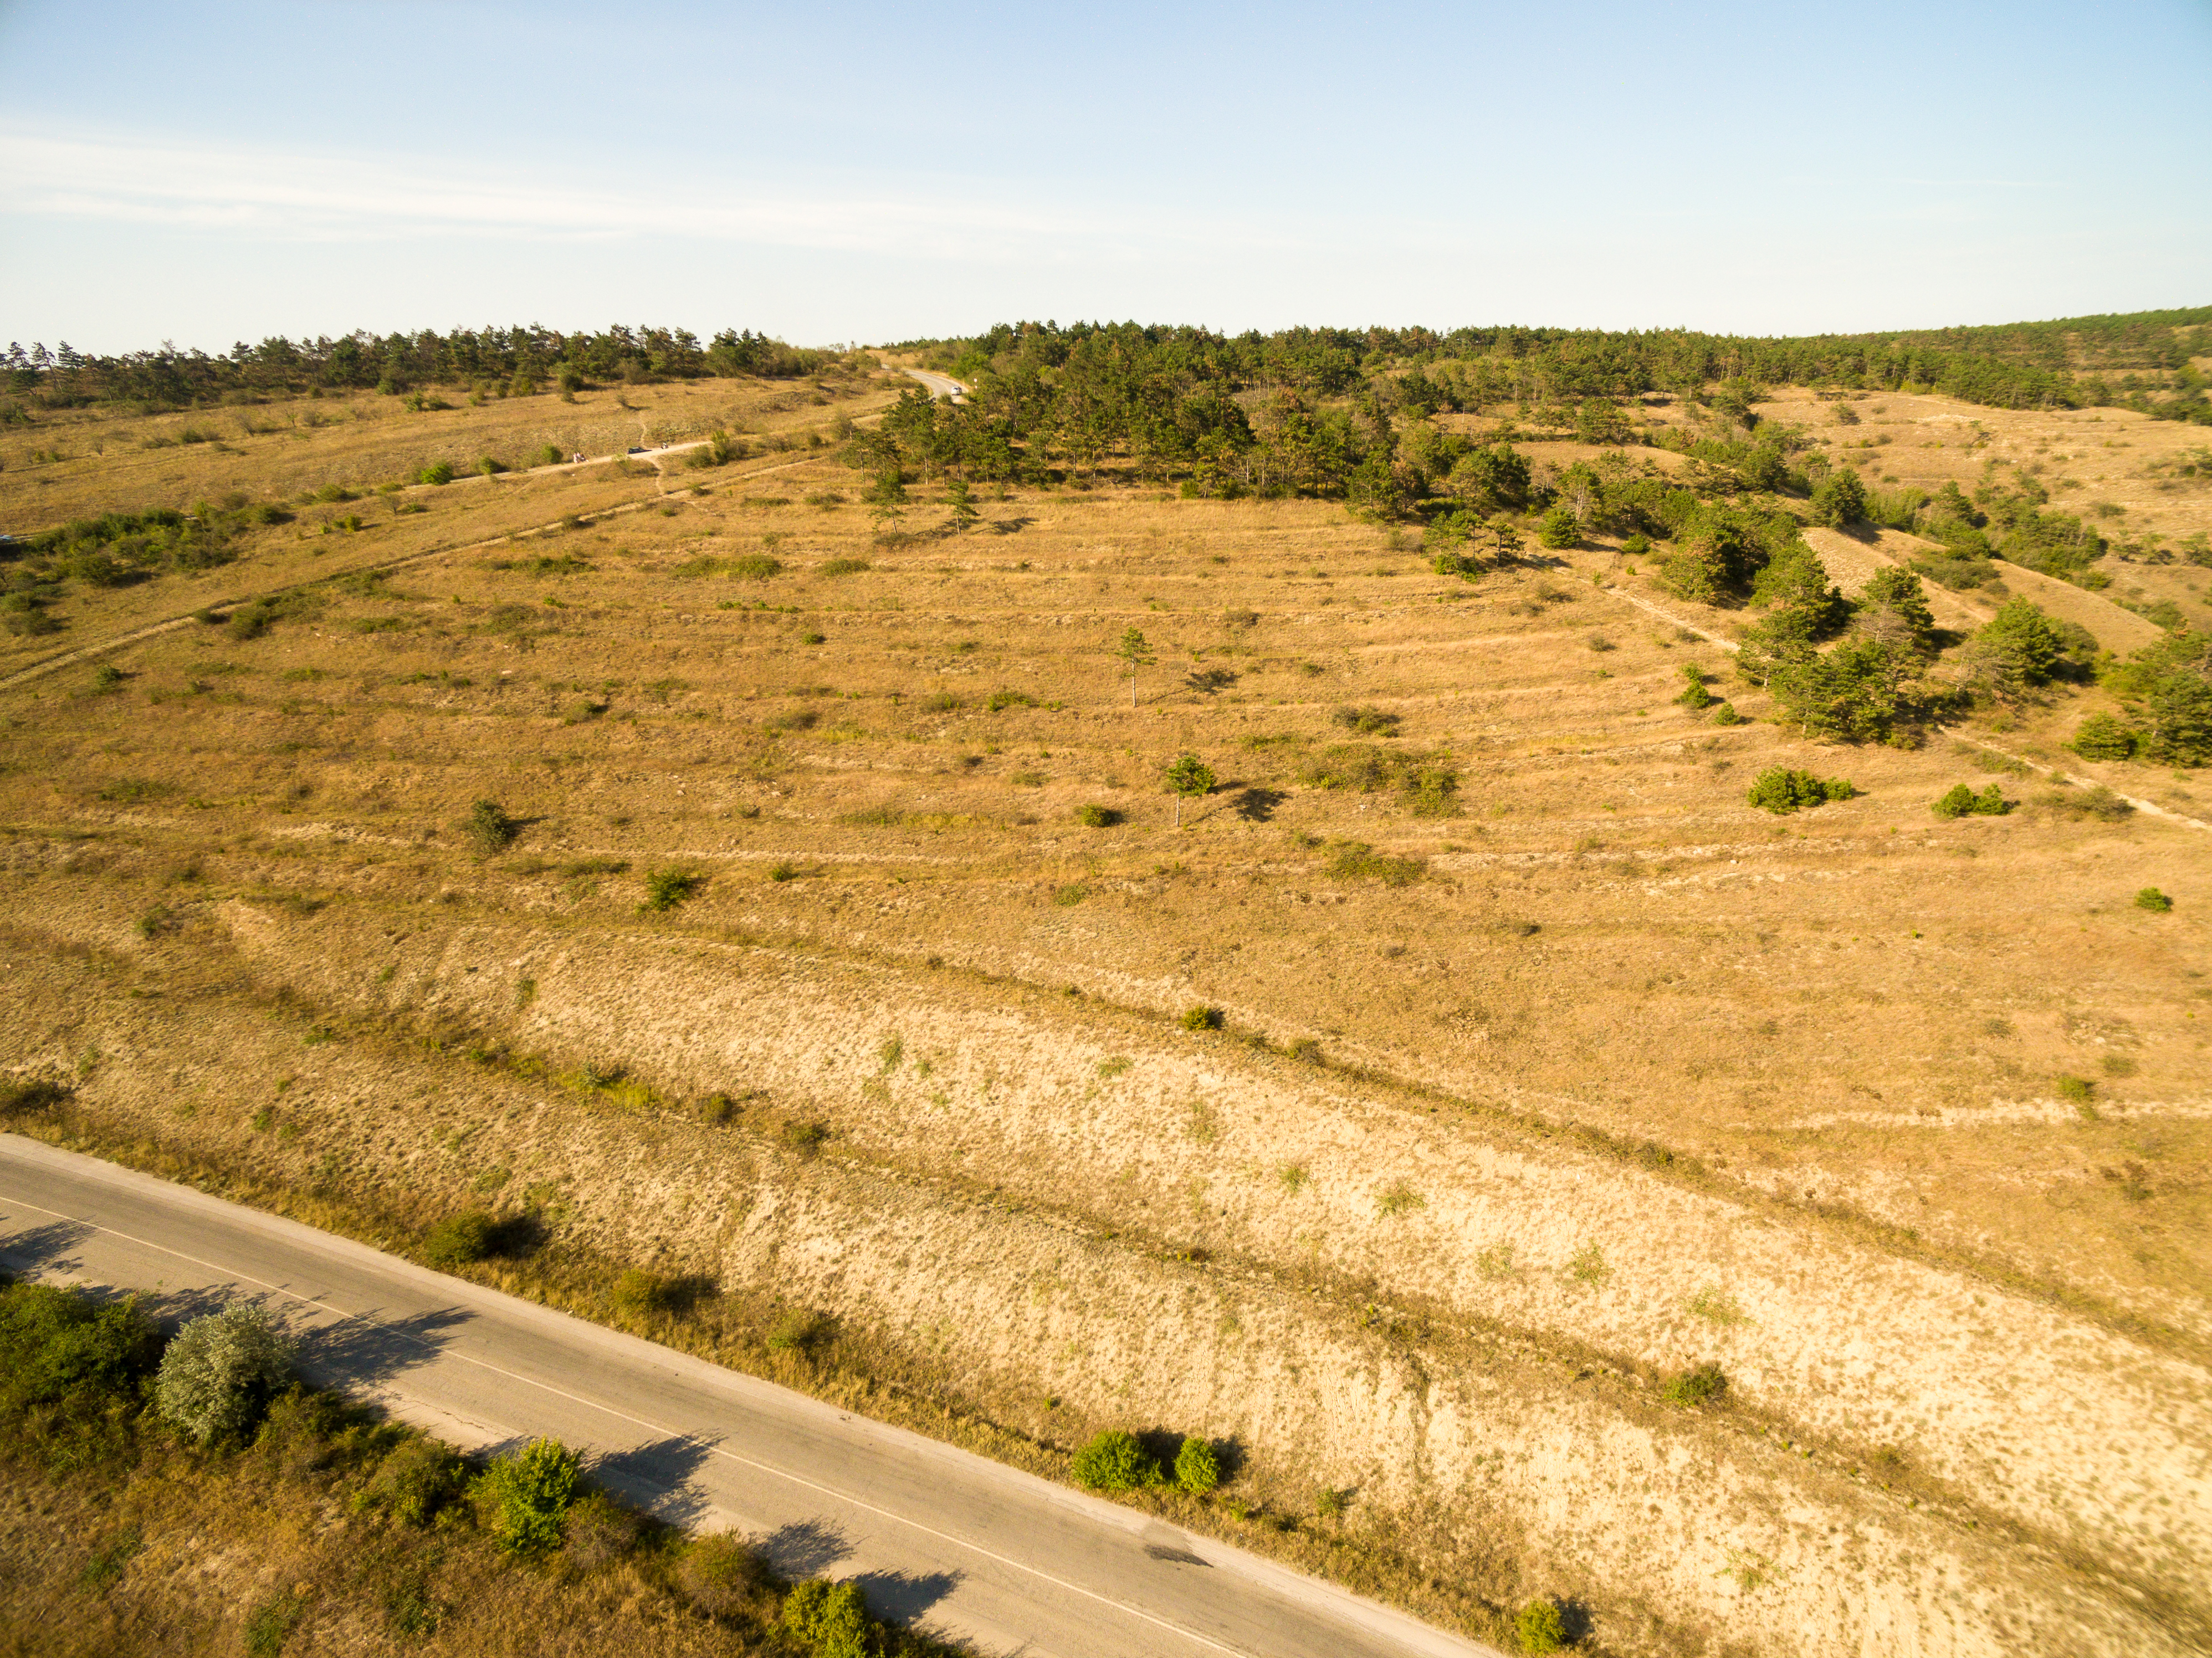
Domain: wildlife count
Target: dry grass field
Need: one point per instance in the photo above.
(843, 953)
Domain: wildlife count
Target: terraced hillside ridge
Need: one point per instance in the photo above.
(1543, 1172)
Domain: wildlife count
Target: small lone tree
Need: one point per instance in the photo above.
(220, 1371)
(1137, 651)
(1840, 500)
(887, 500)
(958, 497)
(490, 829)
(1188, 777)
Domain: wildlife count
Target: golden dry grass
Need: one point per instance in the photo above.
(1744, 1060)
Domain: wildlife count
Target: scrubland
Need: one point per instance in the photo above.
(1470, 1067)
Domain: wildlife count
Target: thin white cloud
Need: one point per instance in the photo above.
(301, 196)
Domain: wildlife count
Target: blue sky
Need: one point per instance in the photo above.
(208, 173)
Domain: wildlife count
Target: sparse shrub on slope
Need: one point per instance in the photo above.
(460, 1239)
(1781, 790)
(1197, 1468)
(1963, 802)
(1115, 1461)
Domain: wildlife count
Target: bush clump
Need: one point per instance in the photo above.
(2099, 803)
(1541, 1627)
(1355, 860)
(831, 1618)
(1696, 1386)
(600, 1532)
(419, 1477)
(664, 889)
(1962, 802)
(1779, 790)
(2100, 737)
(460, 1239)
(491, 830)
(2152, 899)
(1197, 1466)
(1096, 816)
(718, 1573)
(531, 1492)
(1201, 1019)
(1115, 1461)
(220, 1371)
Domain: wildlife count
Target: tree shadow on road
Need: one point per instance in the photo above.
(657, 1477)
(50, 1247)
(900, 1597)
(366, 1351)
(804, 1548)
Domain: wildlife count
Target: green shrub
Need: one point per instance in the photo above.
(1201, 1019)
(1560, 528)
(220, 1371)
(718, 1573)
(1197, 1468)
(2100, 737)
(797, 1330)
(1541, 1627)
(1355, 860)
(60, 1348)
(842, 567)
(491, 830)
(755, 566)
(531, 1491)
(1779, 789)
(639, 1292)
(1962, 802)
(664, 889)
(1725, 714)
(1430, 789)
(1696, 1386)
(1636, 545)
(2152, 899)
(418, 1478)
(2076, 1090)
(438, 471)
(1694, 693)
(1369, 722)
(1096, 816)
(1115, 1461)
(460, 1239)
(831, 1618)
(1067, 896)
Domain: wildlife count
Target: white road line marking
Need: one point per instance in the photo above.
(654, 1427)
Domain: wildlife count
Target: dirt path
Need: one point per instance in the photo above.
(170, 624)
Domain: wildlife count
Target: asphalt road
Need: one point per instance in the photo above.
(963, 1545)
(943, 385)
